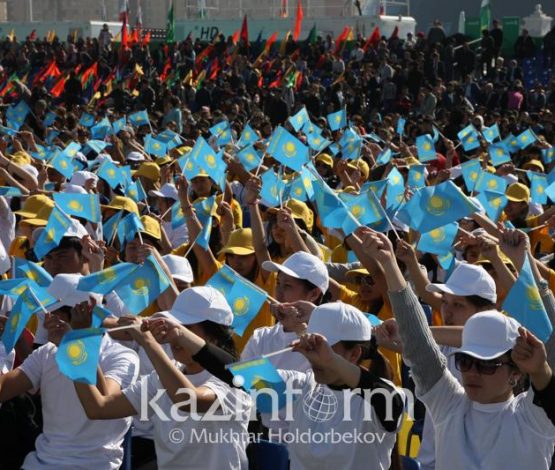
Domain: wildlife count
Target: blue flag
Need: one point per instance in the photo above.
(490, 182)
(99, 315)
(261, 376)
(20, 315)
(417, 178)
(548, 155)
(471, 171)
(337, 120)
(470, 142)
(105, 281)
(538, 187)
(526, 138)
(425, 148)
(9, 191)
(499, 154)
(384, 157)
(63, 164)
(525, 305)
(207, 159)
(491, 133)
(249, 157)
(511, 143)
(139, 118)
(248, 137)
(203, 238)
(439, 240)
(287, 149)
(364, 207)
(435, 206)
(395, 189)
(493, 202)
(78, 353)
(299, 119)
(32, 271)
(110, 227)
(86, 206)
(87, 120)
(154, 146)
(468, 130)
(50, 237)
(50, 118)
(223, 280)
(272, 187)
(110, 173)
(401, 126)
(245, 301)
(128, 228)
(317, 142)
(119, 125)
(136, 191)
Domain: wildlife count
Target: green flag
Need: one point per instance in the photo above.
(311, 39)
(170, 28)
(485, 15)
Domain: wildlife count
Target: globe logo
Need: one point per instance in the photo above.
(320, 405)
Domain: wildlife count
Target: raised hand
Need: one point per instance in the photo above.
(252, 190)
(529, 353)
(387, 334)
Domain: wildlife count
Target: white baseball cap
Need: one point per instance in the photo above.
(488, 334)
(135, 156)
(197, 304)
(179, 267)
(302, 265)
(338, 321)
(79, 178)
(64, 288)
(468, 279)
(167, 190)
(74, 189)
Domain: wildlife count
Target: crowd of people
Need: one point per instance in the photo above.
(389, 200)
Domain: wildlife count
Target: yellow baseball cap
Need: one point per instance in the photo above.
(122, 203)
(149, 170)
(33, 204)
(21, 158)
(518, 192)
(41, 218)
(184, 149)
(239, 243)
(163, 160)
(357, 272)
(152, 227)
(506, 260)
(325, 158)
(534, 163)
(360, 165)
(299, 210)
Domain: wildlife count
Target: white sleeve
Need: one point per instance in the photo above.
(232, 401)
(135, 392)
(32, 367)
(120, 364)
(294, 380)
(115, 305)
(6, 360)
(443, 397)
(534, 416)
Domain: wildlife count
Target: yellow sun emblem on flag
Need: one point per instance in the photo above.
(75, 205)
(19, 290)
(524, 138)
(438, 206)
(500, 152)
(50, 235)
(63, 164)
(534, 297)
(417, 176)
(317, 141)
(14, 320)
(492, 184)
(540, 189)
(156, 146)
(258, 383)
(111, 172)
(396, 179)
(299, 119)
(250, 157)
(470, 139)
(495, 203)
(438, 235)
(474, 176)
(241, 306)
(211, 161)
(76, 352)
(189, 165)
(298, 191)
(274, 191)
(107, 275)
(289, 149)
(357, 210)
(247, 135)
(427, 146)
(72, 152)
(140, 286)
(133, 193)
(338, 118)
(513, 142)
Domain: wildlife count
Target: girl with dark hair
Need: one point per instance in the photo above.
(199, 397)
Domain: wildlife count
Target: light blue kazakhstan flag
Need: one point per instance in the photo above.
(468, 130)
(223, 279)
(136, 191)
(32, 271)
(548, 155)
(99, 314)
(384, 157)
(316, 141)
(511, 142)
(493, 202)
(491, 133)
(101, 129)
(245, 301)
(490, 182)
(119, 125)
(538, 187)
(50, 237)
(337, 120)
(143, 286)
(249, 157)
(178, 218)
(41, 153)
(272, 187)
(78, 353)
(525, 305)
(50, 119)
(401, 126)
(170, 138)
(10, 191)
(128, 228)
(20, 315)
(363, 206)
(248, 137)
(378, 186)
(71, 149)
(204, 156)
(395, 189)
(17, 114)
(435, 206)
(139, 118)
(332, 211)
(63, 164)
(203, 238)
(87, 120)
(154, 146)
(417, 177)
(85, 206)
(287, 149)
(260, 376)
(439, 240)
(499, 154)
(425, 148)
(225, 135)
(105, 281)
(110, 227)
(301, 186)
(526, 138)
(299, 119)
(110, 173)
(471, 171)
(96, 146)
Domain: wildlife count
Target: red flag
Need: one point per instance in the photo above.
(91, 72)
(245, 31)
(235, 37)
(135, 37)
(270, 42)
(215, 70)
(124, 38)
(395, 33)
(166, 71)
(33, 35)
(341, 39)
(373, 39)
(298, 21)
(146, 39)
(261, 81)
(276, 82)
(58, 89)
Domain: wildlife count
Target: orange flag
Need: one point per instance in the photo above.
(298, 20)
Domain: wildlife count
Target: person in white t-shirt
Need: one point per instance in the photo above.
(302, 277)
(207, 428)
(69, 439)
(479, 423)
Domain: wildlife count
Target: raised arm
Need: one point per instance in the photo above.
(420, 350)
(252, 191)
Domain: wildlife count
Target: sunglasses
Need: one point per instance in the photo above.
(368, 280)
(464, 362)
